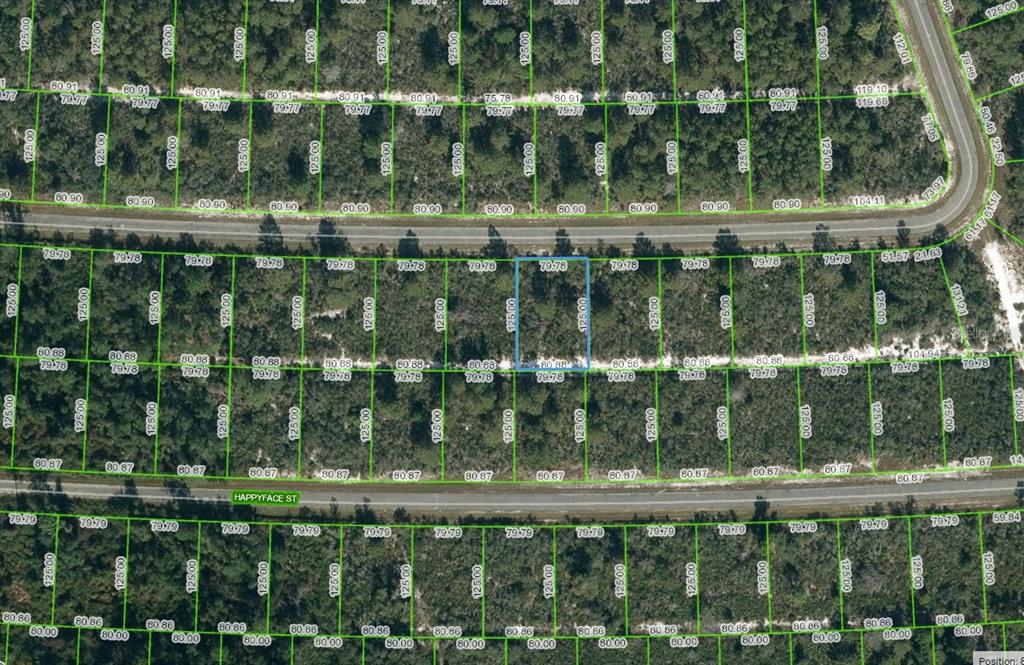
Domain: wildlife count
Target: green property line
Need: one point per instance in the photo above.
(341, 578)
(17, 364)
(231, 356)
(270, 569)
(31, 46)
(952, 304)
(839, 574)
(56, 560)
(981, 561)
(199, 561)
(799, 416)
(106, 150)
(245, 51)
(483, 582)
(177, 159)
(625, 577)
(373, 363)
(302, 375)
(657, 429)
(174, 48)
(159, 370)
(88, 368)
(675, 98)
(942, 418)
(696, 563)
(803, 309)
(316, 57)
(127, 572)
(871, 422)
(874, 306)
(515, 432)
(746, 94)
(363, 259)
(817, 83)
(586, 437)
(910, 563)
(768, 561)
(728, 427)
(1013, 405)
(987, 21)
(553, 527)
(554, 581)
(103, 44)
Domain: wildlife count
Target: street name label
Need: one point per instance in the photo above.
(264, 498)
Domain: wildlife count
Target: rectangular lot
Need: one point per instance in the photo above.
(64, 48)
(804, 575)
(27, 545)
(410, 304)
(906, 416)
(696, 312)
(621, 426)
(553, 313)
(142, 159)
(234, 577)
(449, 570)
(196, 306)
(500, 159)
(336, 424)
(479, 426)
(338, 296)
(767, 309)
(946, 572)
(837, 302)
(18, 121)
(90, 579)
(480, 317)
(835, 425)
(70, 154)
(162, 554)
(377, 576)
(625, 312)
(354, 178)
(571, 166)
(285, 137)
(138, 48)
(591, 588)
(763, 422)
(426, 176)
(520, 583)
(194, 422)
(15, 50)
(660, 603)
(1000, 538)
(347, 56)
(875, 572)
(214, 155)
(305, 578)
(693, 424)
(733, 578)
(550, 426)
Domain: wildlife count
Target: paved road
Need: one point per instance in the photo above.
(957, 207)
(944, 82)
(623, 502)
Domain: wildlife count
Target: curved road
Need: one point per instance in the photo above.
(947, 91)
(958, 206)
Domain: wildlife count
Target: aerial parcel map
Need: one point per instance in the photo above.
(511, 332)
